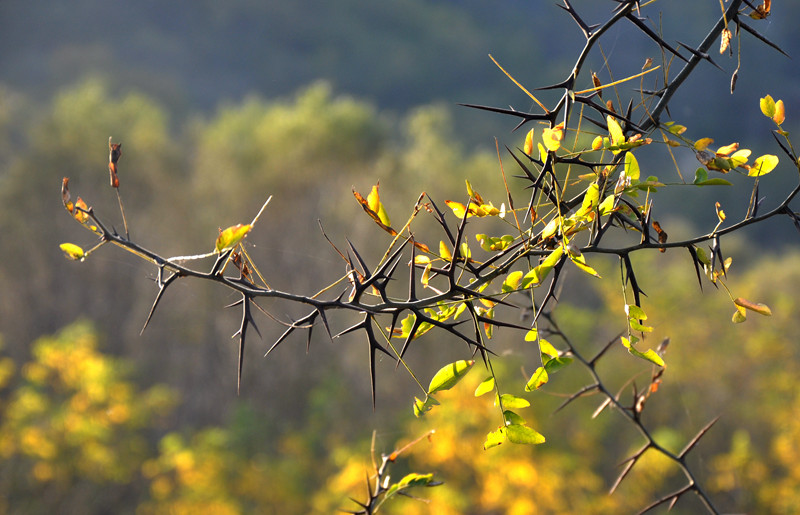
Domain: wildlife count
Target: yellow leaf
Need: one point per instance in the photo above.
(374, 203)
(528, 148)
(597, 143)
(631, 167)
(740, 157)
(763, 165)
(703, 143)
(458, 208)
(767, 105)
(615, 131)
(444, 251)
(552, 137)
(720, 212)
(780, 112)
(590, 200)
(426, 275)
(542, 152)
(72, 251)
(231, 236)
(727, 149)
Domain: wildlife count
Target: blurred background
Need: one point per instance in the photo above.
(220, 105)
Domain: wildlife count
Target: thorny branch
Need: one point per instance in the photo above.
(462, 280)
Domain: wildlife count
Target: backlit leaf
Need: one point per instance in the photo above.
(72, 251)
(553, 365)
(763, 165)
(519, 433)
(580, 262)
(552, 137)
(767, 105)
(528, 148)
(444, 251)
(512, 281)
(458, 208)
(539, 273)
(449, 375)
(486, 386)
(675, 128)
(614, 129)
(547, 348)
(538, 379)
(513, 402)
(631, 167)
(740, 157)
(512, 418)
(375, 204)
(590, 200)
(650, 355)
(495, 438)
(634, 311)
(607, 205)
(231, 236)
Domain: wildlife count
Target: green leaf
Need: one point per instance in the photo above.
(486, 386)
(634, 311)
(512, 418)
(631, 167)
(415, 479)
(495, 438)
(714, 182)
(513, 402)
(553, 365)
(72, 251)
(636, 326)
(650, 355)
(519, 433)
(410, 480)
(675, 128)
(231, 236)
(449, 375)
(700, 175)
(538, 379)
